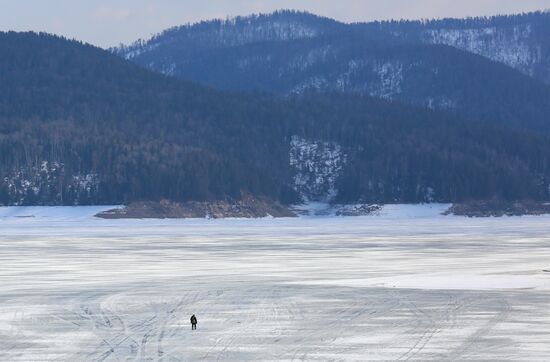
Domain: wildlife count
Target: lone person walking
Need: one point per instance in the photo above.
(193, 322)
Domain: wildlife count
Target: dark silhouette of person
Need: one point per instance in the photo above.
(193, 322)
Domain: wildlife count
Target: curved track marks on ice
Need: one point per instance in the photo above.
(278, 322)
(470, 344)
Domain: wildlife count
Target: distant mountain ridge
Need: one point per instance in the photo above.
(420, 63)
(519, 41)
(279, 26)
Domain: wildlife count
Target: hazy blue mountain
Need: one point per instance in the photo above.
(279, 26)
(291, 53)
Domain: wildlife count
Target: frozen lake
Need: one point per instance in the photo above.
(406, 285)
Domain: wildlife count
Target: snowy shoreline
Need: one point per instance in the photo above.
(310, 210)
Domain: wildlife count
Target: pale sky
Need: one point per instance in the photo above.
(110, 22)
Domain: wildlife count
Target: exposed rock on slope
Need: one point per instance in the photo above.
(318, 165)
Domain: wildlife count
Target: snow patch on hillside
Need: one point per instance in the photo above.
(314, 83)
(46, 183)
(441, 102)
(390, 75)
(384, 78)
(312, 57)
(169, 69)
(254, 61)
(508, 46)
(318, 166)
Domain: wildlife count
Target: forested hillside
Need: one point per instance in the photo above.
(79, 125)
(131, 133)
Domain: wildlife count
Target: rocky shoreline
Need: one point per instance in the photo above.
(247, 207)
(250, 207)
(498, 208)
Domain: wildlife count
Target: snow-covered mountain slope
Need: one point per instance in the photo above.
(521, 41)
(509, 45)
(435, 65)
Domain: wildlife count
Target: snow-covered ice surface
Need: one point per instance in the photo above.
(408, 284)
